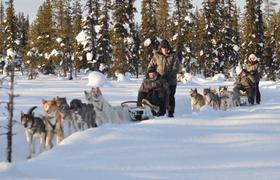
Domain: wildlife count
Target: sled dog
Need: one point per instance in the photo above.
(197, 100)
(54, 122)
(34, 128)
(64, 108)
(105, 113)
(84, 114)
(211, 98)
(228, 98)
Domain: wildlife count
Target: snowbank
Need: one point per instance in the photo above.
(97, 79)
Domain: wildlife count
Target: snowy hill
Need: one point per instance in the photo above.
(242, 143)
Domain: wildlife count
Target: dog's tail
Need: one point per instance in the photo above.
(31, 109)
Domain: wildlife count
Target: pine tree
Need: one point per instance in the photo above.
(64, 35)
(2, 13)
(276, 34)
(22, 34)
(10, 28)
(10, 32)
(183, 37)
(133, 39)
(269, 55)
(253, 30)
(41, 40)
(148, 32)
(269, 9)
(119, 38)
(162, 17)
(229, 41)
(104, 49)
(91, 21)
(213, 12)
(197, 67)
(79, 55)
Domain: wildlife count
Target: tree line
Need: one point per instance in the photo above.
(103, 35)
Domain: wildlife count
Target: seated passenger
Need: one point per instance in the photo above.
(155, 90)
(245, 82)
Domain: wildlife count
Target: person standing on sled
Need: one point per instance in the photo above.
(252, 66)
(167, 65)
(155, 90)
(245, 82)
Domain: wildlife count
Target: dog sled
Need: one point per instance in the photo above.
(139, 113)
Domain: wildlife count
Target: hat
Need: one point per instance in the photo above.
(164, 44)
(152, 69)
(252, 57)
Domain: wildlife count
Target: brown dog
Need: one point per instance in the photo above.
(54, 122)
(197, 100)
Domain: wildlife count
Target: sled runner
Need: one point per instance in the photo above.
(137, 113)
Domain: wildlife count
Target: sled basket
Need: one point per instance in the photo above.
(136, 113)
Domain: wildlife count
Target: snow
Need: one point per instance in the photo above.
(11, 53)
(240, 143)
(97, 79)
(89, 56)
(82, 38)
(147, 42)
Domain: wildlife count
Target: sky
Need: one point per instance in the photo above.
(241, 143)
(31, 6)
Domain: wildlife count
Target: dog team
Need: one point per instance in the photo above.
(223, 100)
(78, 115)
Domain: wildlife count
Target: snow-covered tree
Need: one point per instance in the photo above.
(90, 21)
(229, 40)
(103, 45)
(213, 14)
(183, 38)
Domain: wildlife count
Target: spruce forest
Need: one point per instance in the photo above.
(103, 35)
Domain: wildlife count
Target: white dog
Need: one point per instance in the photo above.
(105, 113)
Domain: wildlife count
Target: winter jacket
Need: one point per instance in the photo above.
(167, 66)
(253, 68)
(159, 84)
(245, 79)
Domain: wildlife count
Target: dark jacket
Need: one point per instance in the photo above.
(167, 66)
(159, 84)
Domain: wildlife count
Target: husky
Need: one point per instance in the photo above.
(105, 113)
(212, 99)
(67, 115)
(229, 99)
(54, 122)
(197, 100)
(84, 114)
(34, 129)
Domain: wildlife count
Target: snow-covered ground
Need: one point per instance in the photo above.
(242, 143)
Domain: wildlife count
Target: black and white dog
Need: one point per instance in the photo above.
(83, 114)
(34, 129)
